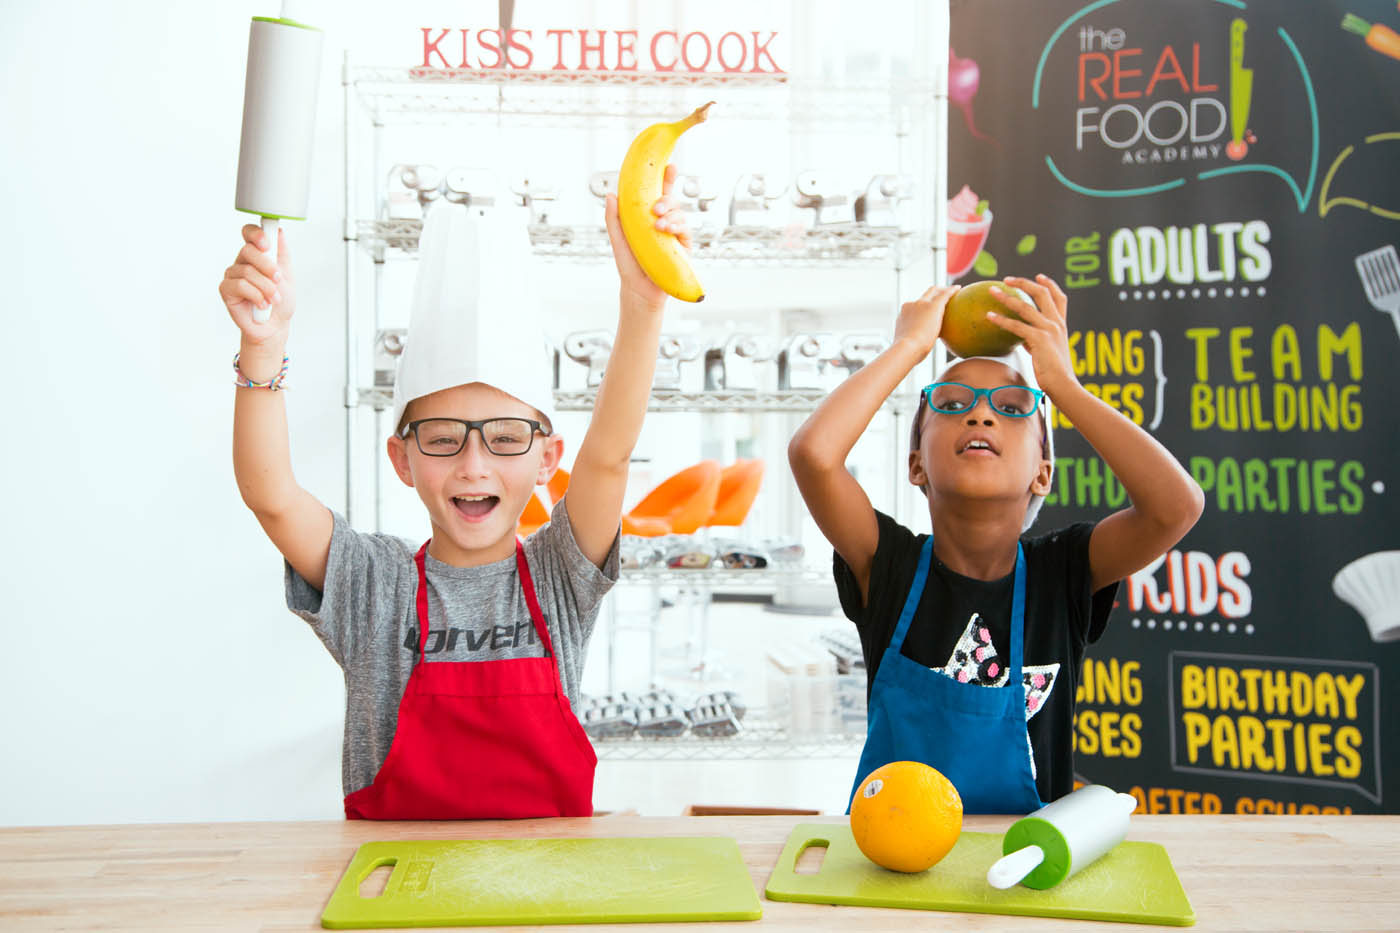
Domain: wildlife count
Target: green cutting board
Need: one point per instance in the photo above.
(1134, 882)
(489, 882)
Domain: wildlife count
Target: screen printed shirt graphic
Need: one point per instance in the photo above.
(975, 661)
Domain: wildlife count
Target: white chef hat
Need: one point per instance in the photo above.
(1019, 359)
(475, 315)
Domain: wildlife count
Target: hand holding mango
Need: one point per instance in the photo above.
(998, 315)
(967, 331)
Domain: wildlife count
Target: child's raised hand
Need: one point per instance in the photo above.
(920, 320)
(254, 281)
(669, 219)
(1042, 327)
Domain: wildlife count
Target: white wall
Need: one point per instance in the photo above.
(149, 670)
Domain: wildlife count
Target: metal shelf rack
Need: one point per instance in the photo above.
(759, 740)
(667, 400)
(568, 97)
(833, 244)
(725, 578)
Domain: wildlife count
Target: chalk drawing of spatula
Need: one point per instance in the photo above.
(1380, 276)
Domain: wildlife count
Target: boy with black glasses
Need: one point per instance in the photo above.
(973, 636)
(462, 657)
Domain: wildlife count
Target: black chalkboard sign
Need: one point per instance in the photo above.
(1216, 184)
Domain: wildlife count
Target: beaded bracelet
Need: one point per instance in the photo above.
(272, 385)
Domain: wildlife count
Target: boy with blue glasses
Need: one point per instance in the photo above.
(974, 635)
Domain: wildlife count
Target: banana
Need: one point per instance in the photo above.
(660, 254)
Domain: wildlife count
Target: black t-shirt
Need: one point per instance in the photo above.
(1062, 618)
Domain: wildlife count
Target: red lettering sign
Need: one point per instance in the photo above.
(1097, 69)
(731, 52)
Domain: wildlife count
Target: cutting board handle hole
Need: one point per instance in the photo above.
(377, 878)
(810, 857)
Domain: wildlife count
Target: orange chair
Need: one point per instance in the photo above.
(680, 504)
(558, 484)
(535, 513)
(534, 516)
(738, 487)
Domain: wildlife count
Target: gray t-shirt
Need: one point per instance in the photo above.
(367, 618)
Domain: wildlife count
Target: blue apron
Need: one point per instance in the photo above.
(974, 735)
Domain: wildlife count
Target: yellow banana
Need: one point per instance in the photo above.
(660, 254)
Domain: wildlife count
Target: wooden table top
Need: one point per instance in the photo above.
(1240, 872)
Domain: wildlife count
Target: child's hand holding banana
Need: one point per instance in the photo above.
(666, 221)
(649, 237)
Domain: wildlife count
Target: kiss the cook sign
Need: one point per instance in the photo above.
(622, 50)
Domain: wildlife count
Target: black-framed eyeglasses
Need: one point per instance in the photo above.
(954, 398)
(445, 437)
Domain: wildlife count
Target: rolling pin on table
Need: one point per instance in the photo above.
(1062, 837)
(1240, 872)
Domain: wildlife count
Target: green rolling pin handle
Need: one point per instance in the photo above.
(1010, 869)
(269, 229)
(1047, 846)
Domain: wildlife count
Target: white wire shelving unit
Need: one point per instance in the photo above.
(572, 100)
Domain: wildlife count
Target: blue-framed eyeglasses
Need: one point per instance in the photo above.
(954, 398)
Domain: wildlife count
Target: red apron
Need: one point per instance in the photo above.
(482, 739)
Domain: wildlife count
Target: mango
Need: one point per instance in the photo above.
(966, 330)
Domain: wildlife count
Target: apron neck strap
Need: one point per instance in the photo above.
(1018, 607)
(422, 598)
(916, 592)
(1018, 617)
(527, 584)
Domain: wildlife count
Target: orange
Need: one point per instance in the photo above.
(966, 330)
(906, 816)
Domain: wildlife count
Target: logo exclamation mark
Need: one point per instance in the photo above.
(1241, 89)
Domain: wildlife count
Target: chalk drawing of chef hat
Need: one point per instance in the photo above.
(1371, 586)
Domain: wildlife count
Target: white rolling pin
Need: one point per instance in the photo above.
(1061, 838)
(279, 121)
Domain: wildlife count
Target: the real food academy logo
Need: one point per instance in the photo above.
(1154, 105)
(1148, 105)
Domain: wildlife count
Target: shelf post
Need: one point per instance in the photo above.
(348, 234)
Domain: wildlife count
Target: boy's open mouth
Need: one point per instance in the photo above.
(475, 508)
(978, 447)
